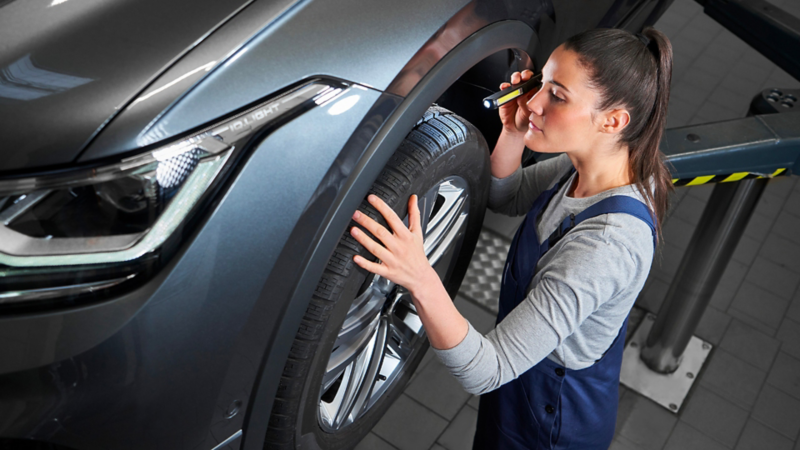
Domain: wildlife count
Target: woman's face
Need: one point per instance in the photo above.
(561, 117)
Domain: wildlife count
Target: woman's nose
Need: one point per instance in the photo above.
(535, 103)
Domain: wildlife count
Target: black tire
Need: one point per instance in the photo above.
(441, 144)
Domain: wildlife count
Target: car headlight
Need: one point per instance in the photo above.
(75, 233)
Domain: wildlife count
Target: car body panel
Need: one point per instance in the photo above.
(67, 66)
(126, 131)
(284, 53)
(155, 382)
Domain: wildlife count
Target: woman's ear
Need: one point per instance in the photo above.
(615, 120)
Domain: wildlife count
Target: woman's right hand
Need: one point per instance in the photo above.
(515, 115)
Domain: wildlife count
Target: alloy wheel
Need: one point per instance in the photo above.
(382, 330)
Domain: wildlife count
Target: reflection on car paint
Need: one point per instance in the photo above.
(22, 80)
(205, 67)
(343, 105)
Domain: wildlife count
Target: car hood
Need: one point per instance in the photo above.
(67, 66)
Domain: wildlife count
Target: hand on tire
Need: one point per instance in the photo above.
(515, 115)
(402, 255)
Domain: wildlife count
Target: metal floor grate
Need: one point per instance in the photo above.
(482, 282)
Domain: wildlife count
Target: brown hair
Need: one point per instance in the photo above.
(634, 72)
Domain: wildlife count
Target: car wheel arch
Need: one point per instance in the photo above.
(365, 155)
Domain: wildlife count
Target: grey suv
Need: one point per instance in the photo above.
(175, 183)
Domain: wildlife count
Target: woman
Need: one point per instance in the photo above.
(549, 371)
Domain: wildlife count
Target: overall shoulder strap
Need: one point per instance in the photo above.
(613, 204)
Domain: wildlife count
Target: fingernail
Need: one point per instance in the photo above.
(354, 231)
(356, 215)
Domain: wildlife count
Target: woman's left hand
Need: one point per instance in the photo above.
(402, 255)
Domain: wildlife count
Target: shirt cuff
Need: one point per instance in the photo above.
(464, 352)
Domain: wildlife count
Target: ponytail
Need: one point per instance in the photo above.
(634, 71)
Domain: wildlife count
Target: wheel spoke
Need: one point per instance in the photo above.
(427, 203)
(347, 350)
(447, 222)
(449, 191)
(355, 383)
(369, 302)
(328, 410)
(334, 410)
(359, 303)
(358, 327)
(446, 242)
(406, 320)
(401, 338)
(361, 402)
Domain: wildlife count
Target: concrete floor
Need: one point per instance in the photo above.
(748, 394)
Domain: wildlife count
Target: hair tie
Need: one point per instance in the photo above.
(645, 40)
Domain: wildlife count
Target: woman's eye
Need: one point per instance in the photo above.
(553, 96)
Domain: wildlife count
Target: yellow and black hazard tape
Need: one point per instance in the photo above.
(738, 176)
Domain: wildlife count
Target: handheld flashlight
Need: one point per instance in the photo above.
(497, 100)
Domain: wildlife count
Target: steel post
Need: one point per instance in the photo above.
(721, 226)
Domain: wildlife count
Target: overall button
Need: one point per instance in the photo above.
(549, 409)
(560, 372)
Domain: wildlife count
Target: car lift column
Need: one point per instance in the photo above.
(662, 358)
(721, 226)
(775, 34)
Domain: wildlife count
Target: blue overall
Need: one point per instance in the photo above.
(550, 406)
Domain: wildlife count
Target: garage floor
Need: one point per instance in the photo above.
(748, 394)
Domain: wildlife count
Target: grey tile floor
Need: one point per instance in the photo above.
(748, 394)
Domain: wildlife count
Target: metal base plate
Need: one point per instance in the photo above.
(667, 390)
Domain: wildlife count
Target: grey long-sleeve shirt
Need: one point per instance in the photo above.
(581, 293)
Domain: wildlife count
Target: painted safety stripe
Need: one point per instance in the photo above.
(700, 180)
(738, 176)
(778, 172)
